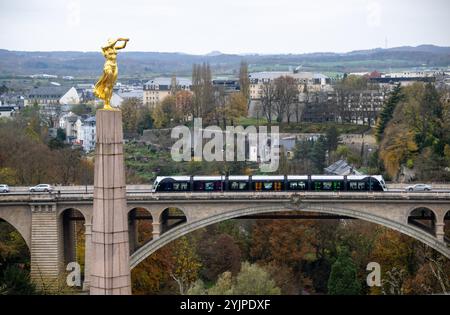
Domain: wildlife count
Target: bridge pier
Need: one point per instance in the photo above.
(157, 229)
(440, 231)
(47, 250)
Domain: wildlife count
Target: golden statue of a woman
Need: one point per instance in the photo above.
(104, 87)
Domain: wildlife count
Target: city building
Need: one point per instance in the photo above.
(342, 168)
(7, 111)
(12, 99)
(228, 86)
(68, 122)
(86, 133)
(53, 95)
(157, 89)
(314, 82)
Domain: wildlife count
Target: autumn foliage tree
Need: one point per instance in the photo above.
(415, 137)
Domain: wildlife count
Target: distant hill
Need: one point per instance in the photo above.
(146, 64)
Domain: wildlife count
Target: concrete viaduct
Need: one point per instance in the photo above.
(44, 220)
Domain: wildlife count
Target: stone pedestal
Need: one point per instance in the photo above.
(110, 269)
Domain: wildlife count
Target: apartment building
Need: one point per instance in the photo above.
(157, 89)
(315, 82)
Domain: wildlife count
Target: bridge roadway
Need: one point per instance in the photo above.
(392, 187)
(39, 217)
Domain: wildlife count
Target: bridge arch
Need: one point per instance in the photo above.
(140, 227)
(172, 217)
(20, 219)
(191, 226)
(423, 218)
(73, 222)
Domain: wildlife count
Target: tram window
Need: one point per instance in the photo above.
(238, 186)
(180, 186)
(166, 186)
(357, 186)
(218, 185)
(375, 185)
(199, 186)
(337, 185)
(268, 186)
(297, 185)
(209, 186)
(278, 186)
(327, 185)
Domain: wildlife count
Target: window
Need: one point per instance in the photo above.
(297, 185)
(238, 185)
(357, 185)
(181, 186)
(328, 185)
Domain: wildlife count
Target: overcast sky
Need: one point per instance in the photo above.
(230, 26)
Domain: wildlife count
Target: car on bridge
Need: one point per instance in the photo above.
(419, 187)
(4, 188)
(41, 188)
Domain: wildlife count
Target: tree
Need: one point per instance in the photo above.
(251, 280)
(387, 112)
(268, 100)
(286, 93)
(414, 140)
(332, 136)
(223, 286)
(244, 81)
(16, 281)
(214, 261)
(343, 277)
(185, 265)
(184, 104)
(203, 92)
(254, 280)
(318, 154)
(236, 107)
(166, 113)
(134, 113)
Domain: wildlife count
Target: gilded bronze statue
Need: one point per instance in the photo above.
(104, 87)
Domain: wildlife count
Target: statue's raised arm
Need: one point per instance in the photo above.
(124, 40)
(104, 87)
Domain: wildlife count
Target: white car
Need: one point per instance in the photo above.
(41, 188)
(4, 188)
(419, 187)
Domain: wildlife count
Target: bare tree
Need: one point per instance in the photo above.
(286, 91)
(268, 100)
(244, 81)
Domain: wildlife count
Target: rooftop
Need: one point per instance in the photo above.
(341, 167)
(168, 81)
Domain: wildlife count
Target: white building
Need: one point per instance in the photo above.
(70, 98)
(7, 111)
(53, 95)
(68, 123)
(315, 82)
(86, 133)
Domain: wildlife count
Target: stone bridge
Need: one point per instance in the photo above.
(44, 220)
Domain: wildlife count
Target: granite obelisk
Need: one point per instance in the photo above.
(110, 268)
